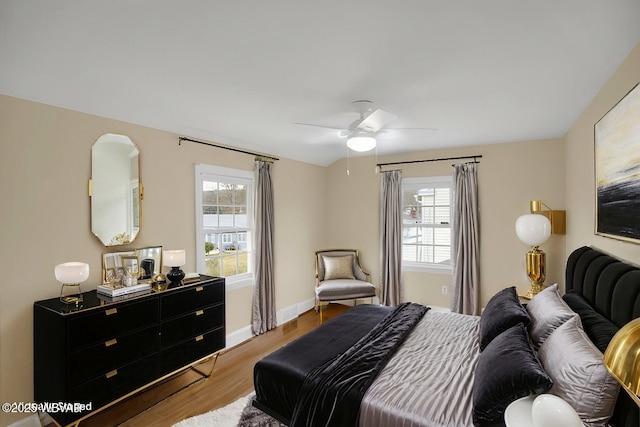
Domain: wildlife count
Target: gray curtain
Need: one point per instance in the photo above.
(465, 239)
(391, 238)
(264, 307)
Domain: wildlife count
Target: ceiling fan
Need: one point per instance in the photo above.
(361, 133)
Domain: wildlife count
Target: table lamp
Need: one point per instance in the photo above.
(622, 358)
(174, 259)
(71, 274)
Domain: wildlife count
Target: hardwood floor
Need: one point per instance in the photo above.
(232, 378)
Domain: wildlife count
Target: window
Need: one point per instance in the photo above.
(224, 223)
(426, 218)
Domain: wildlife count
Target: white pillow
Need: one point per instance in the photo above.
(574, 364)
(547, 311)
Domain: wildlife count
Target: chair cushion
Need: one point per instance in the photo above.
(332, 290)
(338, 267)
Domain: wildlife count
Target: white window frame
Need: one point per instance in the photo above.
(430, 182)
(205, 172)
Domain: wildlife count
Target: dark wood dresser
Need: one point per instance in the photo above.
(105, 349)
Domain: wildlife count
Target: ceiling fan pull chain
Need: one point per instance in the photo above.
(347, 161)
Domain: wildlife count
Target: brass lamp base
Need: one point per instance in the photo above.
(535, 290)
(74, 298)
(535, 262)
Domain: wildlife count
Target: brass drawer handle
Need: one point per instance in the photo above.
(111, 311)
(111, 342)
(199, 288)
(199, 337)
(112, 373)
(199, 312)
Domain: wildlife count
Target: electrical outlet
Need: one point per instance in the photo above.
(445, 290)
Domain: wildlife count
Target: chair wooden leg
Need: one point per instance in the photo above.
(320, 306)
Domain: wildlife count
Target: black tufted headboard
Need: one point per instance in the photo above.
(611, 287)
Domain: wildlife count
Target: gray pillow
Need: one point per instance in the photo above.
(575, 365)
(547, 311)
(338, 267)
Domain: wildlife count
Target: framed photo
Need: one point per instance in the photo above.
(130, 263)
(113, 265)
(617, 162)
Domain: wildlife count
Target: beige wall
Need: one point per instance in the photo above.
(509, 175)
(44, 170)
(45, 164)
(580, 187)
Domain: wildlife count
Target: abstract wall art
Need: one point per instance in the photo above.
(617, 162)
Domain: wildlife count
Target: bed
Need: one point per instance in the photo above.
(410, 366)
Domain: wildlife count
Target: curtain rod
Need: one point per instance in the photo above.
(477, 156)
(237, 150)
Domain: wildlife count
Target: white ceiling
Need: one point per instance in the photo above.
(243, 72)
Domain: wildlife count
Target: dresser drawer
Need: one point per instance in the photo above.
(192, 350)
(117, 382)
(101, 358)
(190, 299)
(103, 324)
(188, 326)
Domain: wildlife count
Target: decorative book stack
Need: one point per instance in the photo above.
(114, 290)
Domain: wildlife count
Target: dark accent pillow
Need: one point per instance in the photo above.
(507, 369)
(599, 329)
(502, 312)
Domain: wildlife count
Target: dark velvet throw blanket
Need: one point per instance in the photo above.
(332, 392)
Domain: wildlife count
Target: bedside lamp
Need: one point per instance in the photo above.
(175, 259)
(534, 230)
(71, 274)
(622, 358)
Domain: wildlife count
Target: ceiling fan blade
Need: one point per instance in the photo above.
(412, 128)
(318, 126)
(376, 120)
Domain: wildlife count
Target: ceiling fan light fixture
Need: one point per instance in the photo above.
(361, 143)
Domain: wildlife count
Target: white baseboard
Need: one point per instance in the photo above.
(239, 336)
(290, 313)
(283, 316)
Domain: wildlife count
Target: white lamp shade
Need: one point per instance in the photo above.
(361, 143)
(175, 258)
(72, 272)
(533, 229)
(549, 410)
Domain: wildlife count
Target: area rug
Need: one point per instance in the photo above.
(236, 414)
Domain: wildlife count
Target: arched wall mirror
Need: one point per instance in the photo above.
(115, 190)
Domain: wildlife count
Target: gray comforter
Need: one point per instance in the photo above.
(429, 380)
